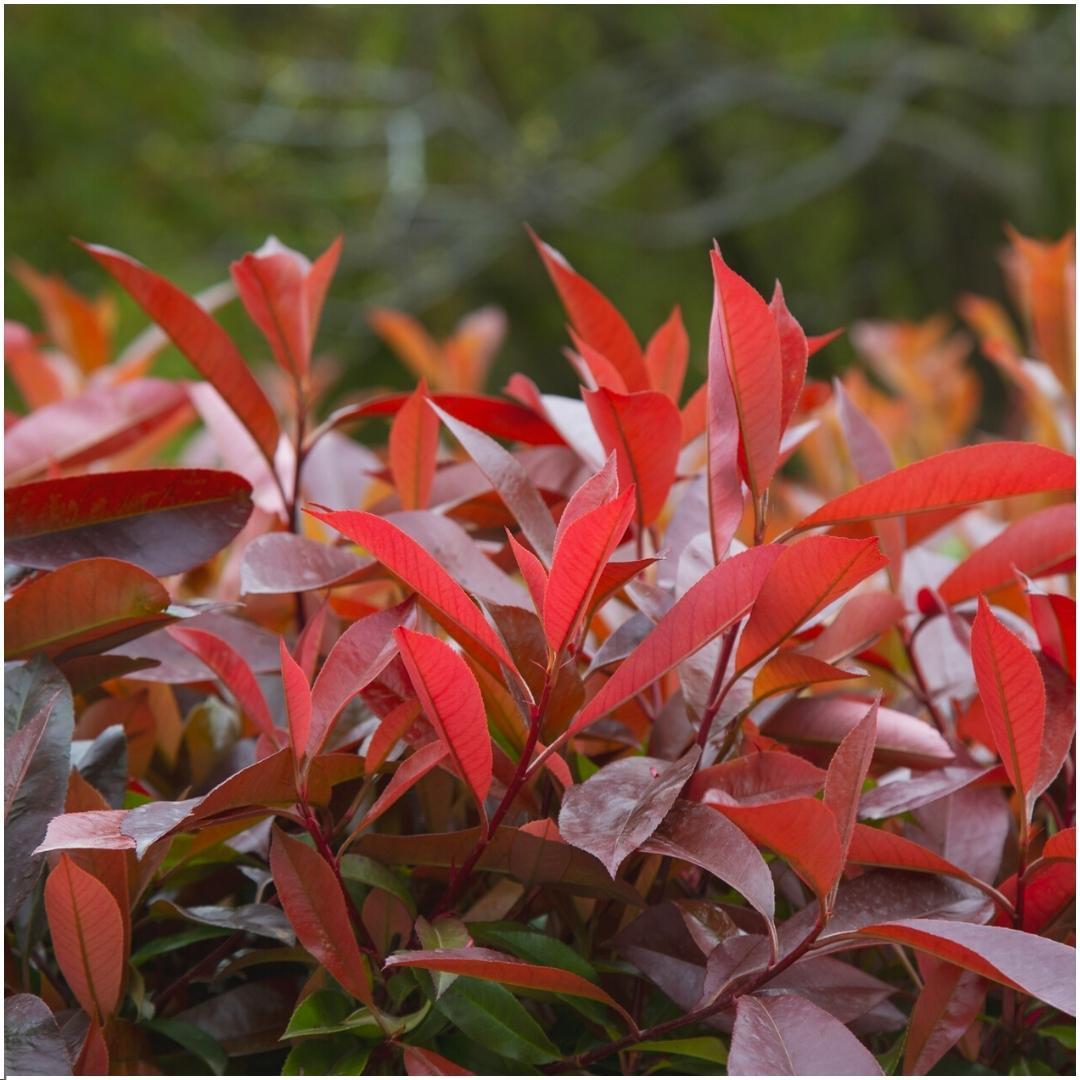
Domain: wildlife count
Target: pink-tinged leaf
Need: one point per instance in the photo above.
(871, 457)
(747, 339)
(762, 777)
(1013, 696)
(948, 1003)
(86, 606)
(790, 1036)
(87, 937)
(696, 834)
(911, 793)
(509, 478)
(593, 368)
(86, 830)
(1054, 619)
(803, 832)
(499, 967)
(597, 490)
(409, 773)
(807, 577)
(407, 560)
(642, 430)
(309, 643)
(595, 318)
(790, 670)
(99, 422)
(419, 1061)
(794, 353)
(816, 342)
(956, 478)
(450, 694)
(413, 446)
(667, 355)
(1049, 891)
(201, 339)
(620, 806)
(824, 722)
(317, 284)
(282, 562)
(358, 657)
(533, 573)
(614, 576)
(847, 770)
(313, 901)
(860, 622)
(234, 672)
(581, 553)
(707, 608)
(164, 520)
(1039, 544)
(297, 702)
(1037, 966)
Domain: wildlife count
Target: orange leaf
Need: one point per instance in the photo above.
(413, 446)
(666, 356)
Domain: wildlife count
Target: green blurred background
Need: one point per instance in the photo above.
(867, 155)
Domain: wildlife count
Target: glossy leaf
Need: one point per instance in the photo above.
(508, 970)
(789, 1036)
(808, 576)
(642, 430)
(1041, 543)
(90, 605)
(285, 563)
(764, 776)
(297, 702)
(201, 339)
(412, 448)
(88, 937)
(956, 478)
(619, 807)
(33, 1044)
(451, 698)
(164, 520)
(315, 905)
(1013, 696)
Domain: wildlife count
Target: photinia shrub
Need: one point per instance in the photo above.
(633, 732)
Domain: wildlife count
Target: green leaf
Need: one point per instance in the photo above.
(890, 1060)
(320, 1013)
(444, 933)
(703, 1047)
(534, 946)
(374, 875)
(194, 1040)
(1064, 1033)
(492, 1016)
(172, 942)
(338, 1055)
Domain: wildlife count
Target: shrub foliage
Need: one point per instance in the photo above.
(635, 732)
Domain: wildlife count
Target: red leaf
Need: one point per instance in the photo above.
(720, 419)
(790, 1036)
(860, 622)
(847, 771)
(803, 832)
(201, 339)
(1054, 619)
(234, 672)
(409, 773)
(667, 355)
(972, 474)
(533, 573)
(643, 431)
(88, 937)
(582, 551)
(90, 605)
(708, 607)
(392, 728)
(947, 1005)
(509, 478)
(313, 901)
(499, 967)
(762, 777)
(595, 317)
(406, 559)
(790, 670)
(794, 353)
(822, 722)
(297, 702)
(413, 446)
(620, 806)
(593, 367)
(101, 421)
(309, 642)
(807, 577)
(450, 694)
(164, 520)
(750, 345)
(1042, 543)
(1062, 845)
(358, 657)
(1049, 890)
(1013, 696)
(419, 1061)
(697, 835)
(1037, 966)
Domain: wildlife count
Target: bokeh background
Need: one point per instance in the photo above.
(867, 155)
